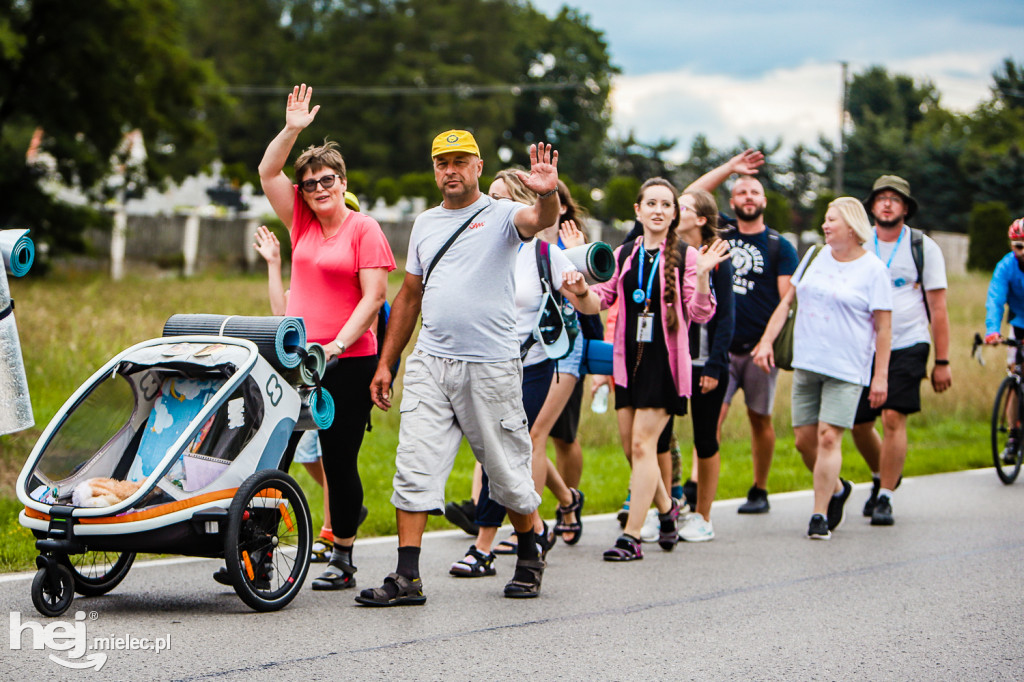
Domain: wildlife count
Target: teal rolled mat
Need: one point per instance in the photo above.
(315, 413)
(281, 340)
(596, 261)
(17, 250)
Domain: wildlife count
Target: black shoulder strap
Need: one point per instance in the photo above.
(917, 252)
(624, 253)
(447, 245)
(543, 254)
(773, 247)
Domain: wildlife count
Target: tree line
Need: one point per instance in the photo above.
(205, 80)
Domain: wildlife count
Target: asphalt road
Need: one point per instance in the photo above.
(938, 596)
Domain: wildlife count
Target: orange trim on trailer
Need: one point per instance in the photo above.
(150, 513)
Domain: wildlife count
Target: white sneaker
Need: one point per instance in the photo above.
(696, 529)
(652, 527)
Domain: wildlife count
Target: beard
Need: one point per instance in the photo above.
(888, 223)
(748, 214)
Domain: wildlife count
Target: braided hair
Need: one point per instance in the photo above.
(672, 256)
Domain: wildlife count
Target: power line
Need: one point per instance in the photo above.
(461, 89)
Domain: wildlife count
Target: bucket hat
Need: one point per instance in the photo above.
(896, 184)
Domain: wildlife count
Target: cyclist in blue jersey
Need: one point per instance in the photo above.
(1007, 290)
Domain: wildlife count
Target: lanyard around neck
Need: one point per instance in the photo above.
(894, 249)
(638, 294)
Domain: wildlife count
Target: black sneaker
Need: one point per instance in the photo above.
(463, 515)
(882, 515)
(818, 530)
(837, 505)
(690, 494)
(1012, 445)
(869, 506)
(757, 502)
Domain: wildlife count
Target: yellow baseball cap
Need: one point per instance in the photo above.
(352, 201)
(454, 141)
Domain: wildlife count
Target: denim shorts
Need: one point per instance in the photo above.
(308, 450)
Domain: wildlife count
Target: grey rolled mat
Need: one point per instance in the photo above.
(281, 340)
(596, 261)
(15, 406)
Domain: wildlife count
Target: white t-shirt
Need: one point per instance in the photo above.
(835, 333)
(909, 317)
(469, 299)
(528, 292)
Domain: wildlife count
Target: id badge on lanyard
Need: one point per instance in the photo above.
(645, 327)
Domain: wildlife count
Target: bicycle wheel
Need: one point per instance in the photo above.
(97, 573)
(1006, 430)
(268, 538)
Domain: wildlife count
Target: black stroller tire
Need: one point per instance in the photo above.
(267, 545)
(97, 573)
(53, 598)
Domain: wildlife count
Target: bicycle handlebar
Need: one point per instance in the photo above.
(979, 342)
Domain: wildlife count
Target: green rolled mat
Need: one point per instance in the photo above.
(311, 369)
(281, 340)
(18, 251)
(596, 261)
(315, 413)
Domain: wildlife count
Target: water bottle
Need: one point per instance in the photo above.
(599, 404)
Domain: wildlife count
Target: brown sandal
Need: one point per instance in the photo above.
(410, 592)
(525, 584)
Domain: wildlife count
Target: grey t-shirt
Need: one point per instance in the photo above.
(469, 310)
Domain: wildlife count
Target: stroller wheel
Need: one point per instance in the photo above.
(97, 573)
(53, 590)
(268, 539)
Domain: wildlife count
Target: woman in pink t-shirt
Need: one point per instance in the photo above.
(340, 265)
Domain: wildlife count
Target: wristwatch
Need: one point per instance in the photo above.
(341, 346)
(940, 363)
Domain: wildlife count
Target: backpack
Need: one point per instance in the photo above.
(917, 252)
(569, 321)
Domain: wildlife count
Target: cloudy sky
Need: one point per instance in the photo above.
(731, 68)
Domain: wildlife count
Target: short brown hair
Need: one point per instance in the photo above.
(314, 158)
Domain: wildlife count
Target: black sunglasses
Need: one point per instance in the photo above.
(326, 182)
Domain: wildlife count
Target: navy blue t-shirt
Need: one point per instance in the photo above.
(755, 282)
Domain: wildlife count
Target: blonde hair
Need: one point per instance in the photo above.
(853, 214)
(516, 189)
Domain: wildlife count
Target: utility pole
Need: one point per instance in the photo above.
(841, 151)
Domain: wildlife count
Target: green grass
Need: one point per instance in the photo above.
(71, 323)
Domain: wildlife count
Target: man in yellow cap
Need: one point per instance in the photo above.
(463, 376)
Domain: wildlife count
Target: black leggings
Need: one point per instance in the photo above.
(704, 410)
(349, 386)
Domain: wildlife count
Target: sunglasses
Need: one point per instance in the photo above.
(1017, 246)
(326, 182)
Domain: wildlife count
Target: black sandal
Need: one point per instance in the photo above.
(525, 584)
(626, 548)
(509, 546)
(576, 528)
(475, 564)
(410, 592)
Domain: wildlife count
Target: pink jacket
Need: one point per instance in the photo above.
(695, 308)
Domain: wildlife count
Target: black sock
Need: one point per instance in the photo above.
(527, 545)
(409, 562)
(342, 556)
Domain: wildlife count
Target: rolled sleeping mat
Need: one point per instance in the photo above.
(596, 261)
(15, 406)
(311, 369)
(281, 340)
(315, 413)
(18, 251)
(597, 357)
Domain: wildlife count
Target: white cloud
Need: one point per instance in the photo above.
(798, 104)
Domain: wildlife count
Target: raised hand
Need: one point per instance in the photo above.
(747, 162)
(712, 255)
(298, 114)
(267, 245)
(571, 234)
(543, 175)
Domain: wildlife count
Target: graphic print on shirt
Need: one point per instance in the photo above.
(746, 259)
